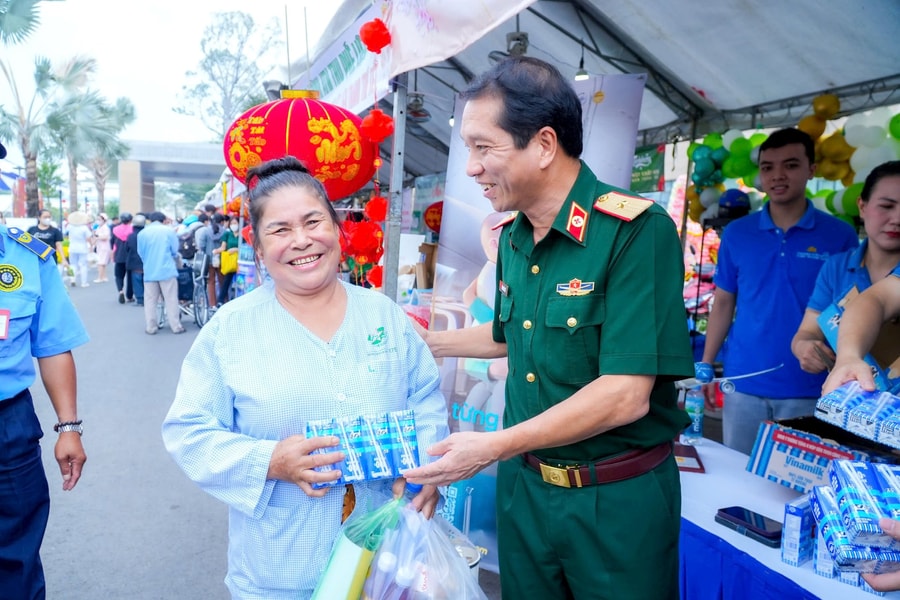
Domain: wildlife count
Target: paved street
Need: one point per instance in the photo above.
(135, 527)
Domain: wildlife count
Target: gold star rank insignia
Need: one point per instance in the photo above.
(577, 223)
(622, 206)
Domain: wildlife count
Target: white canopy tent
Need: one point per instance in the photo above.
(710, 67)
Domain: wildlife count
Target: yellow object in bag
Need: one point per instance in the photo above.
(229, 261)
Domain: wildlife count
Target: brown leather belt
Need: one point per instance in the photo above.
(618, 468)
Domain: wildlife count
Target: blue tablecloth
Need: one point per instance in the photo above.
(713, 569)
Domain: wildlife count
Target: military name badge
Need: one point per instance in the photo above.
(504, 289)
(575, 287)
(10, 278)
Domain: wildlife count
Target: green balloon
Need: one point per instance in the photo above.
(728, 168)
(741, 146)
(749, 177)
(852, 193)
(894, 126)
(829, 203)
(713, 140)
(757, 138)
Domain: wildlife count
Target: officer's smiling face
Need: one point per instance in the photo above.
(507, 175)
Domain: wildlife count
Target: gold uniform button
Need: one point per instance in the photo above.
(571, 321)
(527, 324)
(535, 269)
(530, 378)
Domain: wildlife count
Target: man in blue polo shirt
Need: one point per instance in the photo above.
(767, 269)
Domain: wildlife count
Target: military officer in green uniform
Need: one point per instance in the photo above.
(590, 314)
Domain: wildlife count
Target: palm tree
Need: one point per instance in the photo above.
(28, 122)
(18, 18)
(88, 128)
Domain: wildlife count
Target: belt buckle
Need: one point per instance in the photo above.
(559, 476)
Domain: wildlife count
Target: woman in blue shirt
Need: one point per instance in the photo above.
(847, 274)
(301, 347)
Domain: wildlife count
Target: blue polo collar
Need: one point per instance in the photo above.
(858, 255)
(807, 221)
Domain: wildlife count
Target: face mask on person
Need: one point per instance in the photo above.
(46, 221)
(234, 228)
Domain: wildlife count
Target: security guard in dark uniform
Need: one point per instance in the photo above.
(37, 320)
(590, 313)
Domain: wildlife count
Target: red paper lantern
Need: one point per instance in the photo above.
(324, 137)
(375, 35)
(377, 126)
(376, 208)
(375, 276)
(433, 216)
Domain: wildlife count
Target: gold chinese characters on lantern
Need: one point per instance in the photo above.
(324, 137)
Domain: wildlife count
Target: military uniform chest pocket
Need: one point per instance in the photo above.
(506, 306)
(572, 313)
(572, 348)
(22, 308)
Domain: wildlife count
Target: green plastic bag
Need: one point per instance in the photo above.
(353, 551)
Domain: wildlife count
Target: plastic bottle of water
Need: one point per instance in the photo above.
(694, 405)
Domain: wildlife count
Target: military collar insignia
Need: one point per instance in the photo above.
(506, 221)
(575, 287)
(576, 226)
(30, 242)
(622, 206)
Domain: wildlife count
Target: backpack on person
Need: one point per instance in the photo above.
(187, 246)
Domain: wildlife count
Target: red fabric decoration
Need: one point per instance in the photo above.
(433, 216)
(377, 126)
(376, 209)
(375, 35)
(324, 137)
(375, 276)
(366, 237)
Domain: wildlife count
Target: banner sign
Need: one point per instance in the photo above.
(647, 173)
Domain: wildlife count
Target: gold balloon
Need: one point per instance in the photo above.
(825, 106)
(828, 169)
(847, 179)
(836, 148)
(695, 210)
(690, 194)
(812, 125)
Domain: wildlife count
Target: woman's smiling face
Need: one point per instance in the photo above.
(299, 241)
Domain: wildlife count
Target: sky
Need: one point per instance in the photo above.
(143, 49)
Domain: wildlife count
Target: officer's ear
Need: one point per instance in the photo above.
(548, 145)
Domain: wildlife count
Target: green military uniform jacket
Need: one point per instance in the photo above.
(600, 294)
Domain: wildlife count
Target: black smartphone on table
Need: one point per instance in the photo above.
(752, 524)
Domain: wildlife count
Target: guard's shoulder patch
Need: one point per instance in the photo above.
(506, 220)
(622, 206)
(29, 241)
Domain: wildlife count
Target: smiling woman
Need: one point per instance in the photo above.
(298, 348)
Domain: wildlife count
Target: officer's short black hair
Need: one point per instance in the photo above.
(156, 217)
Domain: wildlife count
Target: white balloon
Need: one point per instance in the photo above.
(855, 120)
(756, 201)
(860, 159)
(711, 212)
(854, 133)
(819, 202)
(729, 136)
(838, 201)
(709, 196)
(754, 155)
(874, 136)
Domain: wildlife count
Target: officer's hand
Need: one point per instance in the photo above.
(852, 369)
(886, 582)
(293, 461)
(463, 454)
(71, 458)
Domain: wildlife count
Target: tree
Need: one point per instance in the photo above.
(228, 80)
(105, 149)
(18, 18)
(49, 183)
(28, 122)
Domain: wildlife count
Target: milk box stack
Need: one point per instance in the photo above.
(847, 514)
(379, 446)
(872, 415)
